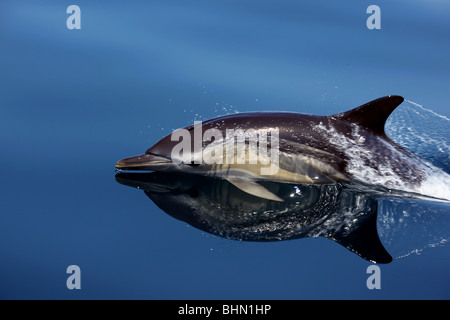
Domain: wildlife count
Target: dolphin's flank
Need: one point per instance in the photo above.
(346, 147)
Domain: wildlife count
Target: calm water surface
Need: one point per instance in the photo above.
(73, 102)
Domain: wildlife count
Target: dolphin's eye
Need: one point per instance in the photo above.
(192, 164)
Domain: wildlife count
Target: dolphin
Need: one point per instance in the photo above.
(349, 147)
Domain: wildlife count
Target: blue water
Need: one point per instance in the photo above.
(73, 102)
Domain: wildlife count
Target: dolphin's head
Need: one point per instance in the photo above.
(159, 157)
(156, 158)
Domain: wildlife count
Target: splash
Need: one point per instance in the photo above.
(408, 227)
(422, 132)
(426, 133)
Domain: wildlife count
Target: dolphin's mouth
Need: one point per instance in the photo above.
(146, 162)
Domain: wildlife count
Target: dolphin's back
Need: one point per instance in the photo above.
(332, 148)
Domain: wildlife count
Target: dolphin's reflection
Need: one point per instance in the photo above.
(217, 207)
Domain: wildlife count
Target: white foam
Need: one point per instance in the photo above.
(436, 183)
(363, 168)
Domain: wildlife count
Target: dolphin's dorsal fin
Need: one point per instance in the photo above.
(253, 188)
(372, 115)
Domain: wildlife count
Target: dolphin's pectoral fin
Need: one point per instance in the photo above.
(362, 238)
(254, 189)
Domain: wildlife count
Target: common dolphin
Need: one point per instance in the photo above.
(345, 147)
(333, 211)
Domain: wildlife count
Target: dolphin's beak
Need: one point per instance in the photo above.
(144, 162)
